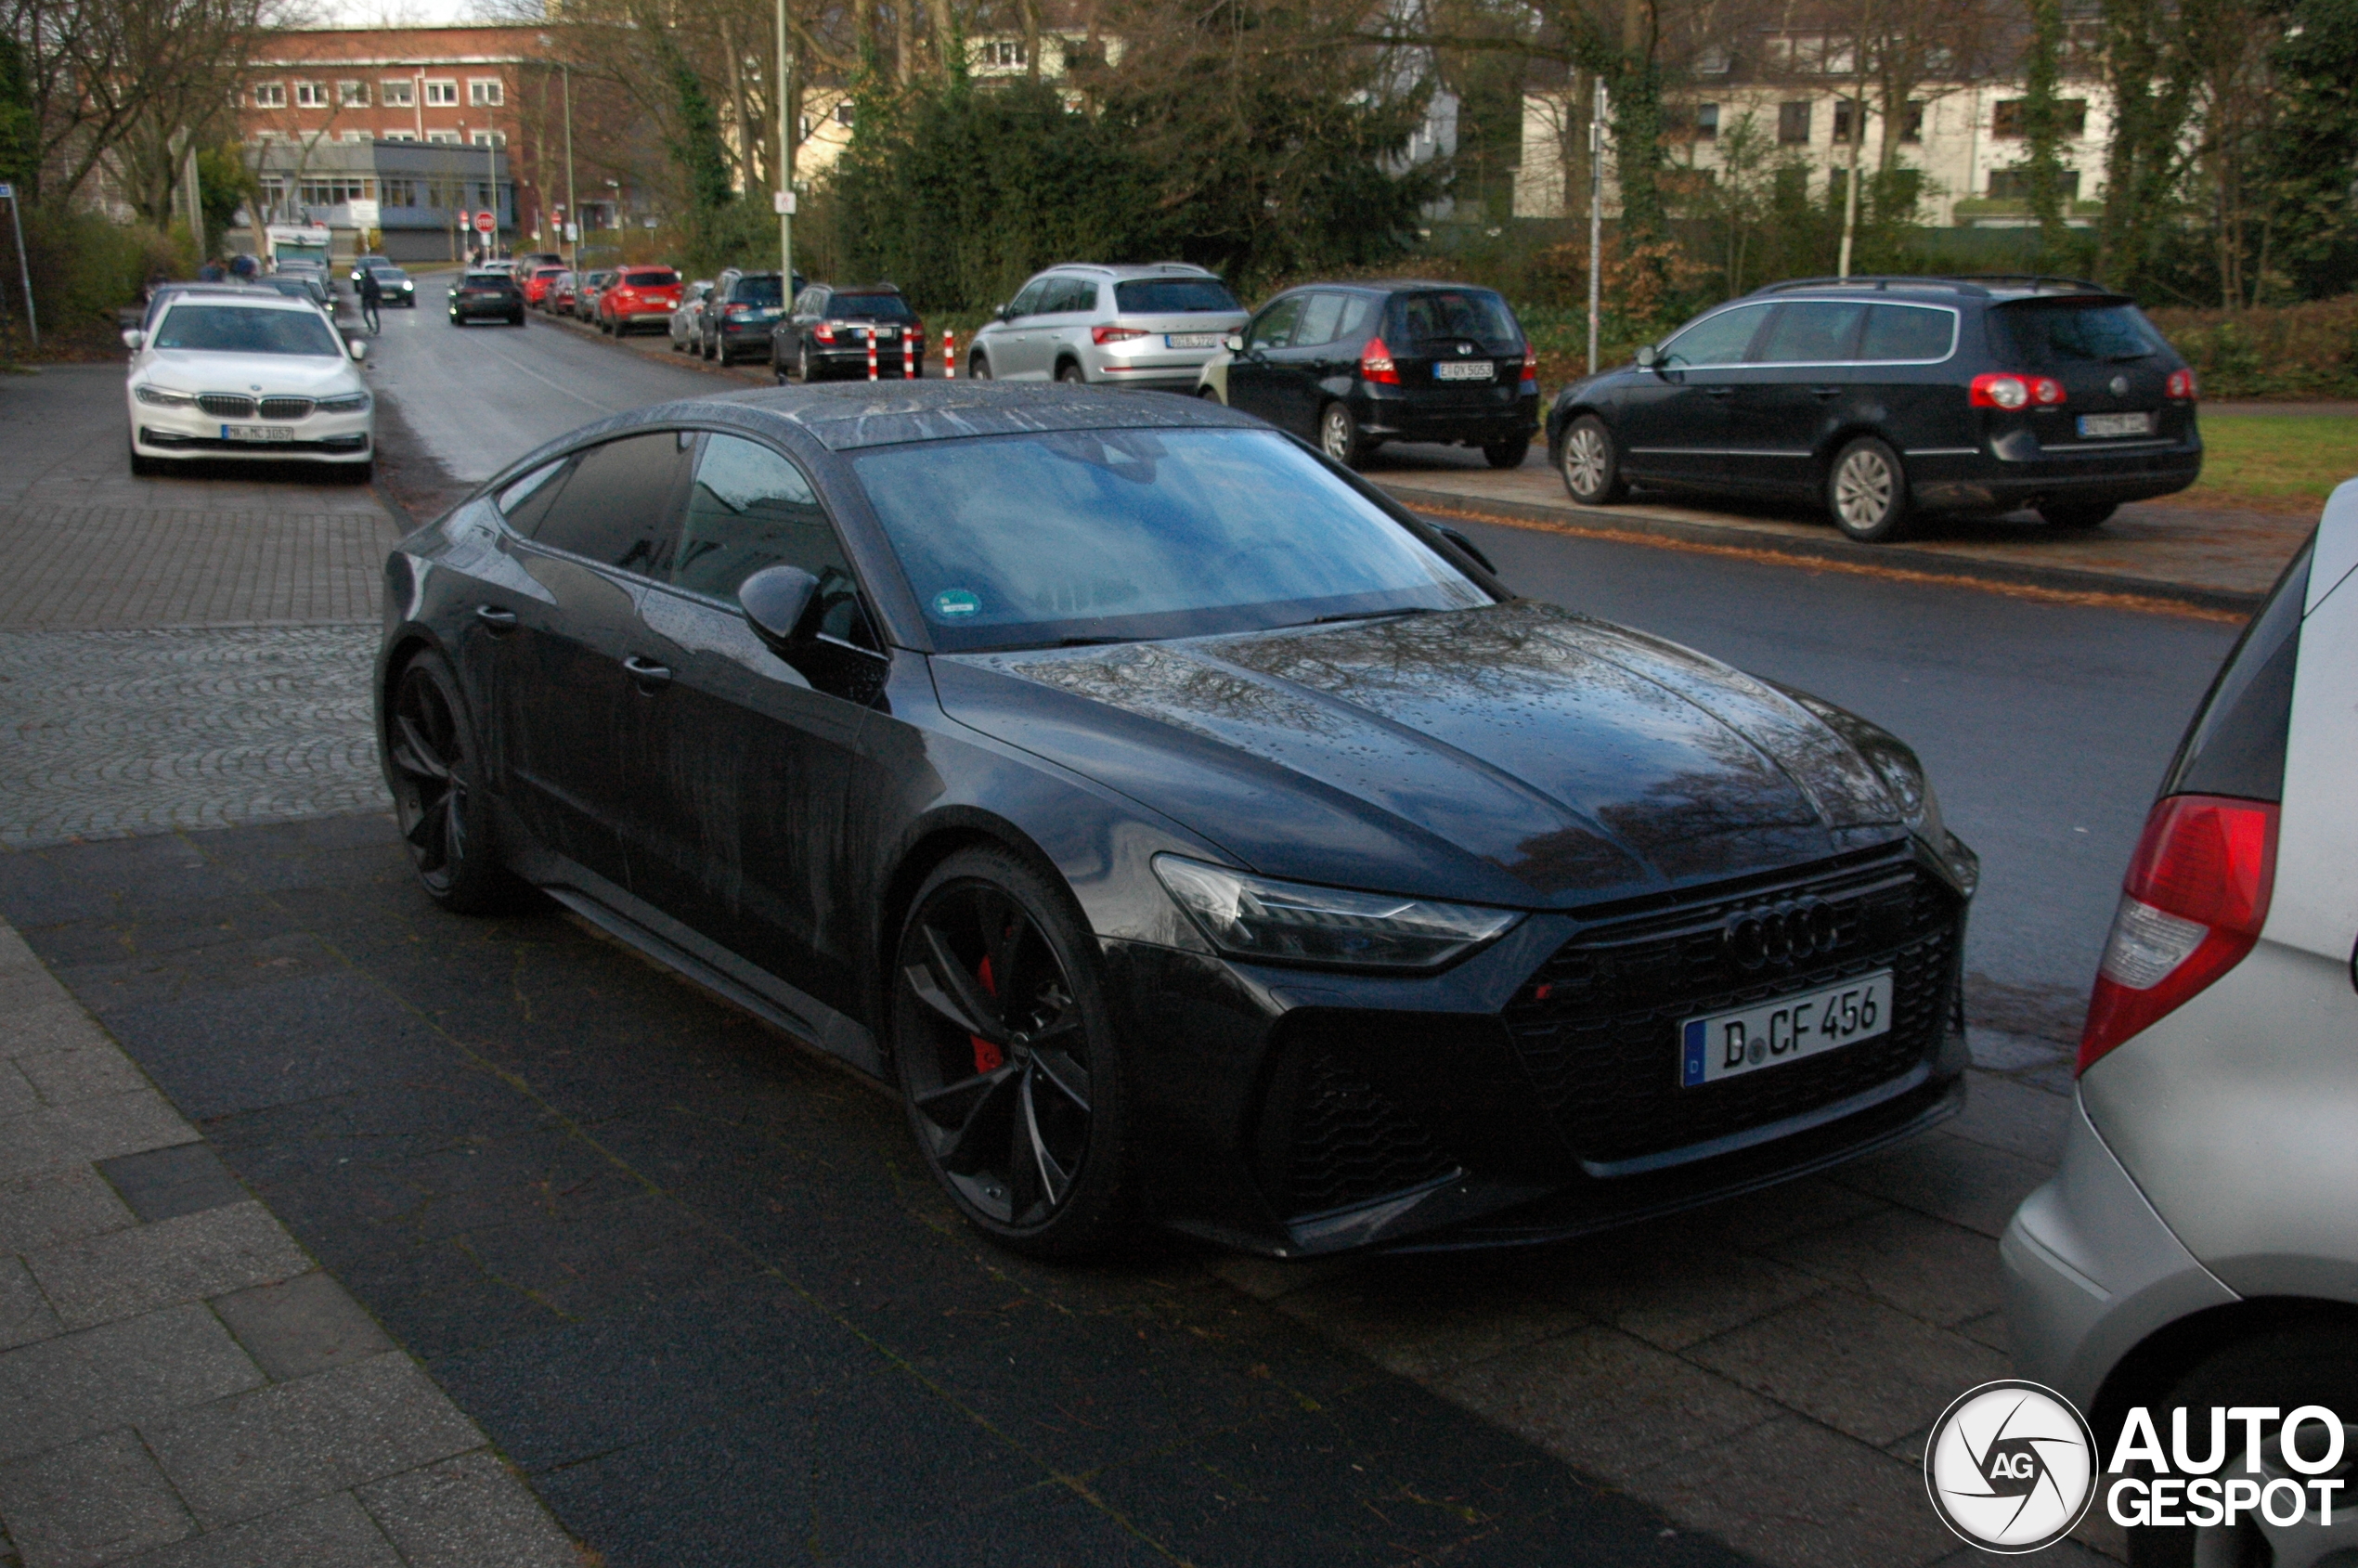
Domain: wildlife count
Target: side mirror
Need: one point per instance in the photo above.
(1647, 357)
(134, 338)
(359, 348)
(777, 601)
(1234, 343)
(1458, 537)
(1004, 313)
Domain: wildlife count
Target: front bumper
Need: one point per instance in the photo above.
(190, 433)
(2092, 1270)
(1530, 1093)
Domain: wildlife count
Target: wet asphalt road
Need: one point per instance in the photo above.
(2045, 727)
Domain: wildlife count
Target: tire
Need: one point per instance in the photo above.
(1589, 461)
(802, 363)
(145, 467)
(1339, 436)
(444, 813)
(1867, 492)
(358, 473)
(1070, 374)
(1029, 1140)
(2082, 514)
(2289, 1366)
(978, 367)
(1508, 454)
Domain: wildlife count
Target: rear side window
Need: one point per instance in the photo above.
(618, 505)
(1172, 296)
(2047, 334)
(1718, 340)
(1444, 314)
(1069, 294)
(1810, 332)
(2235, 746)
(1899, 332)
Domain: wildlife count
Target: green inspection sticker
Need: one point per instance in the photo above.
(956, 602)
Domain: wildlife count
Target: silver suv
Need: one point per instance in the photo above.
(1122, 326)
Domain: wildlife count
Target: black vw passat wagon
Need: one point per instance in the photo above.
(1190, 835)
(1887, 397)
(1354, 365)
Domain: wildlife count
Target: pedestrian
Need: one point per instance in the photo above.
(213, 272)
(371, 295)
(241, 268)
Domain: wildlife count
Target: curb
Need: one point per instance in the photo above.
(1923, 564)
(690, 361)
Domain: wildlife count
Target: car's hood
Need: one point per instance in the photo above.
(1514, 754)
(311, 375)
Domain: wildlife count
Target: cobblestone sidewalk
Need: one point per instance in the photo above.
(180, 1385)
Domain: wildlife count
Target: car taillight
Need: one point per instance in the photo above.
(1530, 365)
(738, 310)
(824, 331)
(2181, 386)
(2191, 909)
(1115, 334)
(2005, 391)
(1375, 364)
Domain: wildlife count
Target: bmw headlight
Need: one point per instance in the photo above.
(407, 285)
(1256, 918)
(350, 403)
(161, 398)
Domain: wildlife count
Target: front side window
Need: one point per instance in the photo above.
(1028, 302)
(1031, 541)
(229, 329)
(1274, 328)
(1810, 332)
(751, 509)
(1715, 340)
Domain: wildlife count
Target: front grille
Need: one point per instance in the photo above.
(226, 405)
(1352, 1142)
(286, 408)
(1597, 1026)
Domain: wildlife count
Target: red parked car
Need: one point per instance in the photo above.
(638, 296)
(536, 287)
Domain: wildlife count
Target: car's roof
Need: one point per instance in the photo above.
(1125, 273)
(255, 299)
(1998, 287)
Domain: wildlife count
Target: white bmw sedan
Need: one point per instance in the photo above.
(254, 375)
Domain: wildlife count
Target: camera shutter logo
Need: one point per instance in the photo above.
(2011, 1466)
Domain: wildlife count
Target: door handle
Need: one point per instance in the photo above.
(650, 676)
(1826, 392)
(1720, 392)
(499, 621)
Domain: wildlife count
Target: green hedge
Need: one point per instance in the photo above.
(2308, 350)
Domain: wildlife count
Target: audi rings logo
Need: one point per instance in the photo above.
(1780, 934)
(2011, 1466)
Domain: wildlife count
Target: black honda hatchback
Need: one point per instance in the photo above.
(1187, 833)
(1884, 398)
(1354, 365)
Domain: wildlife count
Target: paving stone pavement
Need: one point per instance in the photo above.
(180, 1385)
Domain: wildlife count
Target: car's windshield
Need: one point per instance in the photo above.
(231, 329)
(757, 290)
(1027, 540)
(1173, 297)
(879, 307)
(2047, 334)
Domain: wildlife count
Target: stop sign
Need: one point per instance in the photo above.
(485, 223)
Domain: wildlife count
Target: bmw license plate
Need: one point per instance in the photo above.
(1726, 1044)
(1191, 340)
(1465, 370)
(2100, 425)
(256, 432)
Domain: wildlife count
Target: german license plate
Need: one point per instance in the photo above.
(256, 432)
(1465, 370)
(1727, 1044)
(2099, 425)
(886, 334)
(1191, 340)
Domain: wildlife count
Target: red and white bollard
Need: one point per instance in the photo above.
(908, 357)
(949, 357)
(872, 354)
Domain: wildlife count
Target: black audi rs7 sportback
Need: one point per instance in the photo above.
(1188, 834)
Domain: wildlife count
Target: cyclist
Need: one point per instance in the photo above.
(371, 295)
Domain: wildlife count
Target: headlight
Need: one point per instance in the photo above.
(407, 285)
(1255, 917)
(350, 403)
(162, 399)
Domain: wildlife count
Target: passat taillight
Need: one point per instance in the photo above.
(2006, 390)
(1375, 364)
(1530, 366)
(1102, 335)
(2181, 386)
(2191, 909)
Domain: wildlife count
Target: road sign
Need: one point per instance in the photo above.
(7, 192)
(485, 223)
(364, 214)
(783, 202)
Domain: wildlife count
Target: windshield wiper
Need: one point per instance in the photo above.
(1370, 615)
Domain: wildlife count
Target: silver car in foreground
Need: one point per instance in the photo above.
(1120, 326)
(2195, 1258)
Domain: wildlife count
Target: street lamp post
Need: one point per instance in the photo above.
(573, 208)
(1596, 215)
(785, 164)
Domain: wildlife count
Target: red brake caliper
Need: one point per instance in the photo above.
(987, 1055)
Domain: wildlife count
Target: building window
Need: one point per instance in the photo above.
(843, 112)
(1792, 123)
(396, 94)
(2014, 185)
(442, 94)
(1003, 53)
(270, 94)
(2071, 118)
(311, 95)
(485, 92)
(399, 193)
(1843, 115)
(443, 139)
(1707, 122)
(488, 138)
(1712, 62)
(334, 190)
(356, 137)
(1911, 122)
(352, 95)
(398, 136)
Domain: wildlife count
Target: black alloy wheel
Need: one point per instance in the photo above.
(1508, 454)
(2077, 514)
(444, 817)
(1006, 1060)
(1590, 464)
(1867, 492)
